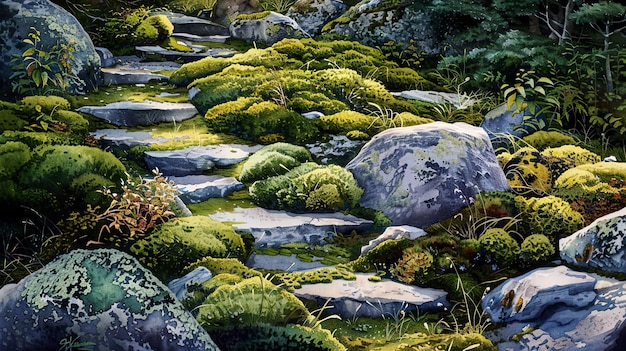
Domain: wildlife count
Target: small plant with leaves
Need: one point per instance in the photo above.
(140, 207)
(42, 70)
(280, 6)
(527, 92)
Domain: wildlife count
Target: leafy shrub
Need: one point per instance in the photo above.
(412, 266)
(36, 139)
(142, 205)
(273, 160)
(176, 244)
(224, 265)
(249, 302)
(264, 336)
(308, 187)
(543, 139)
(13, 157)
(500, 246)
(294, 280)
(536, 248)
(10, 121)
(381, 257)
(549, 215)
(468, 341)
(307, 101)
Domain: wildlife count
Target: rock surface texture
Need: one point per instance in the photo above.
(57, 27)
(273, 228)
(312, 15)
(102, 297)
(197, 188)
(422, 174)
(599, 245)
(266, 30)
(197, 159)
(130, 114)
(394, 233)
(568, 318)
(361, 297)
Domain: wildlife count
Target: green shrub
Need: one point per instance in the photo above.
(306, 101)
(224, 265)
(10, 121)
(550, 215)
(308, 187)
(264, 336)
(381, 257)
(528, 172)
(406, 119)
(536, 248)
(154, 29)
(272, 160)
(249, 302)
(13, 157)
(575, 155)
(189, 72)
(223, 117)
(357, 135)
(77, 125)
(543, 139)
(346, 121)
(414, 264)
(176, 244)
(87, 186)
(48, 103)
(500, 246)
(468, 341)
(36, 139)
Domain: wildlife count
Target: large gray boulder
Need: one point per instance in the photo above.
(375, 22)
(273, 228)
(100, 297)
(422, 174)
(526, 297)
(364, 298)
(600, 245)
(567, 316)
(503, 121)
(56, 26)
(312, 15)
(265, 28)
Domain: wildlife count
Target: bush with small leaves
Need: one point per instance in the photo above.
(550, 215)
(249, 302)
(406, 119)
(500, 246)
(528, 172)
(13, 157)
(346, 121)
(414, 264)
(154, 29)
(187, 240)
(272, 160)
(543, 139)
(536, 248)
(47, 104)
(576, 155)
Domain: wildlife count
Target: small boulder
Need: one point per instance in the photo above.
(422, 174)
(599, 245)
(338, 150)
(122, 139)
(266, 28)
(364, 298)
(197, 276)
(312, 15)
(199, 188)
(504, 120)
(131, 114)
(104, 298)
(394, 233)
(526, 297)
(195, 25)
(272, 228)
(197, 159)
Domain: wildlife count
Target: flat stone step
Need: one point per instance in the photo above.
(272, 228)
(437, 97)
(131, 114)
(197, 159)
(171, 55)
(286, 263)
(363, 298)
(201, 38)
(199, 188)
(122, 139)
(117, 76)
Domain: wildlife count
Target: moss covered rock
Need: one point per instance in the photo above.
(273, 160)
(265, 28)
(92, 295)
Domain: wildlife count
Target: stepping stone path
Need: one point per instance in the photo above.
(436, 97)
(286, 263)
(129, 70)
(122, 139)
(195, 25)
(171, 55)
(199, 188)
(131, 114)
(364, 298)
(197, 159)
(272, 228)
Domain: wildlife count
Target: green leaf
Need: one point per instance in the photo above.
(36, 75)
(509, 91)
(510, 101)
(545, 80)
(28, 52)
(531, 82)
(520, 89)
(44, 125)
(540, 90)
(29, 42)
(44, 79)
